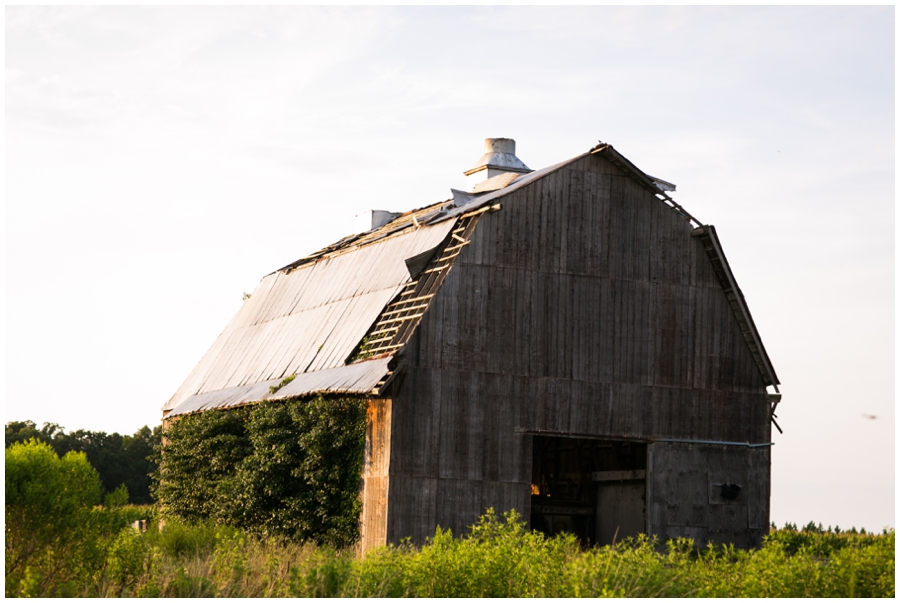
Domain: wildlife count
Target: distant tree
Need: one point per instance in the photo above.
(119, 460)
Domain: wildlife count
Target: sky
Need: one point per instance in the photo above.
(160, 161)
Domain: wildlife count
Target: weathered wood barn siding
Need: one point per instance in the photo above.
(584, 306)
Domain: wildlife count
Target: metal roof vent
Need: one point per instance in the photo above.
(499, 158)
(371, 219)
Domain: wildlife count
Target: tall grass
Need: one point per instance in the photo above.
(498, 558)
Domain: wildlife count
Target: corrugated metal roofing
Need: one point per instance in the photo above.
(309, 318)
(357, 378)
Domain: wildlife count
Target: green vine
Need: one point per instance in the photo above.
(278, 468)
(363, 351)
(285, 381)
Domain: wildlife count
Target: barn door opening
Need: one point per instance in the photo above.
(591, 488)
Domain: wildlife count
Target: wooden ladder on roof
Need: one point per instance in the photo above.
(400, 317)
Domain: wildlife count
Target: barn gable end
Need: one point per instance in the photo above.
(584, 308)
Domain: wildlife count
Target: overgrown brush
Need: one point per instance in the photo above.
(60, 542)
(58, 536)
(497, 558)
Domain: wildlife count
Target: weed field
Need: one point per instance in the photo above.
(498, 558)
(64, 537)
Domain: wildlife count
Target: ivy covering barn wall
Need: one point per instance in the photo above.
(285, 469)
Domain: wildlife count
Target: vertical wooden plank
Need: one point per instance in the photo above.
(505, 336)
(477, 420)
(632, 248)
(615, 314)
(539, 327)
(533, 291)
(645, 358)
(630, 306)
(415, 424)
(412, 510)
(604, 366)
(688, 333)
(556, 199)
(506, 455)
(521, 305)
(616, 248)
(700, 339)
(577, 239)
(453, 455)
(581, 329)
(758, 488)
(642, 204)
(532, 258)
(562, 335)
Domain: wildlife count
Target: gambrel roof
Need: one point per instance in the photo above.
(335, 319)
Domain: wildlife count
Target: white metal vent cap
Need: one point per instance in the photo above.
(499, 158)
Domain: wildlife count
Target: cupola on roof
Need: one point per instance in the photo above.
(499, 158)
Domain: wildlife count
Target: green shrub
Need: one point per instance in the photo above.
(49, 503)
(277, 469)
(130, 558)
(180, 540)
(57, 538)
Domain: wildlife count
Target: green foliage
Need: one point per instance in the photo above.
(285, 381)
(362, 351)
(180, 540)
(56, 536)
(498, 557)
(128, 560)
(118, 459)
(276, 469)
(48, 507)
(201, 451)
(117, 498)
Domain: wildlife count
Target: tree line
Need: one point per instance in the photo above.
(118, 459)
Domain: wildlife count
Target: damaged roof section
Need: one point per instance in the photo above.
(336, 318)
(311, 317)
(360, 378)
(410, 220)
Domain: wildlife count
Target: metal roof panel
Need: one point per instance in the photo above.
(311, 317)
(359, 378)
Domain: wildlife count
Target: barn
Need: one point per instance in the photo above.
(568, 342)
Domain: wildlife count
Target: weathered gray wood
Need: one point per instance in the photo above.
(583, 306)
(685, 480)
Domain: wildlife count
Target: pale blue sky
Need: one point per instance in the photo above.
(159, 162)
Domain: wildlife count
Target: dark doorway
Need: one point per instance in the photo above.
(591, 488)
